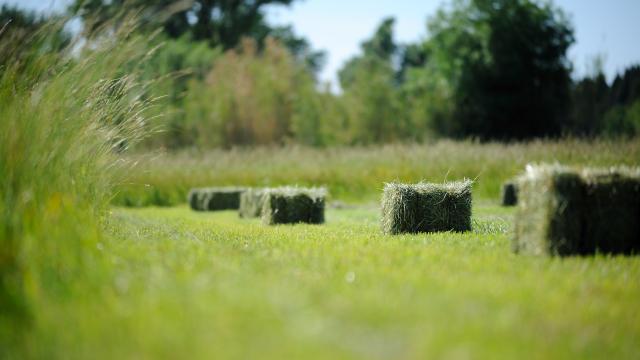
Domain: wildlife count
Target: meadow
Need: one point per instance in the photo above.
(101, 258)
(167, 282)
(178, 283)
(356, 174)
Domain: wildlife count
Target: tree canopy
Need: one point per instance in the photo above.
(506, 64)
(221, 22)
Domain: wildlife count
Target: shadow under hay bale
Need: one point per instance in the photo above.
(290, 205)
(216, 198)
(251, 202)
(426, 207)
(565, 211)
(509, 193)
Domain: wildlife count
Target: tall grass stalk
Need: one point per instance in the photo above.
(64, 117)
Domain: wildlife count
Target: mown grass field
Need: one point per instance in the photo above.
(82, 277)
(211, 285)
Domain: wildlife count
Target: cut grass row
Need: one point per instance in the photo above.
(357, 174)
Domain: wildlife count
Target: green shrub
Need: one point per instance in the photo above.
(426, 207)
(253, 97)
(570, 211)
(290, 205)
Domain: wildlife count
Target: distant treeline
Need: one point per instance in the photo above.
(485, 69)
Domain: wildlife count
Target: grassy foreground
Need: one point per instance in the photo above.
(210, 285)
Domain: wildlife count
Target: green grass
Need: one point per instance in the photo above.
(177, 283)
(357, 173)
(78, 280)
(63, 119)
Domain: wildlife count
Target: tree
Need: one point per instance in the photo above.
(589, 103)
(381, 46)
(300, 48)
(626, 88)
(370, 89)
(22, 35)
(221, 22)
(506, 66)
(253, 97)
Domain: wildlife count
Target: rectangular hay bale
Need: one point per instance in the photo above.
(426, 207)
(290, 205)
(215, 198)
(196, 199)
(566, 211)
(251, 202)
(509, 193)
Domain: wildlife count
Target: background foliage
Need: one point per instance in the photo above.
(486, 69)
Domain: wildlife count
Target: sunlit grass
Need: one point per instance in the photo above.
(211, 285)
(62, 120)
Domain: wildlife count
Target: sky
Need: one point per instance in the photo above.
(610, 28)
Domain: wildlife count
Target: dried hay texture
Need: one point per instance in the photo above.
(215, 198)
(509, 193)
(426, 207)
(290, 205)
(251, 203)
(567, 211)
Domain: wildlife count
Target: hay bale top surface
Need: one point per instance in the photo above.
(613, 174)
(451, 187)
(535, 172)
(314, 193)
(221, 189)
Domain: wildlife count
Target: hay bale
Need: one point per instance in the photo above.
(196, 199)
(509, 193)
(426, 207)
(567, 211)
(251, 202)
(290, 205)
(612, 215)
(215, 198)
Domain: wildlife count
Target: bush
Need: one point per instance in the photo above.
(253, 97)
